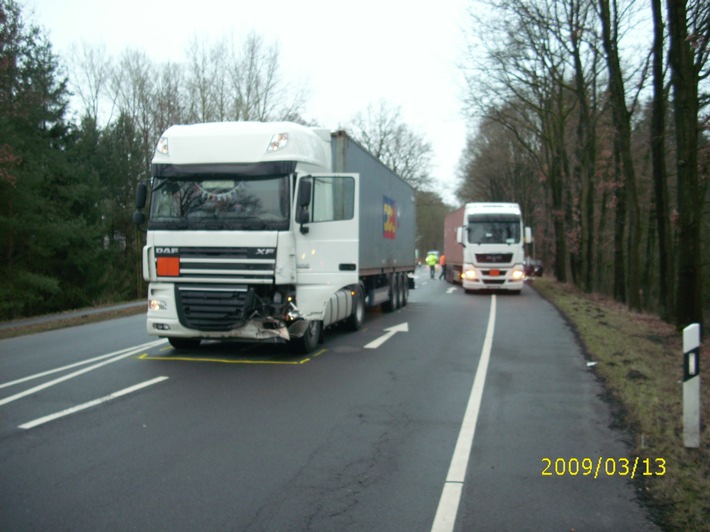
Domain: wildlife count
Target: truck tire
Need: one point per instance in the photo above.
(404, 284)
(391, 304)
(310, 339)
(357, 318)
(396, 290)
(184, 343)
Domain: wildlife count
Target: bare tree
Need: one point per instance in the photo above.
(134, 90)
(495, 168)
(239, 80)
(381, 130)
(170, 105)
(90, 74)
(576, 22)
(203, 81)
(257, 90)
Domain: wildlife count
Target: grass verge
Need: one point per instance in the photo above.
(639, 360)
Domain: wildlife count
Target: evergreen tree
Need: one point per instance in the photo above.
(45, 233)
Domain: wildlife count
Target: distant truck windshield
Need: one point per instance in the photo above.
(493, 229)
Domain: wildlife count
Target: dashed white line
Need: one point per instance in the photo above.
(123, 354)
(95, 402)
(453, 487)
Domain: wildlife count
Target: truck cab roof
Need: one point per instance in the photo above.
(245, 142)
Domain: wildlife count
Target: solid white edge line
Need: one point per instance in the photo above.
(74, 365)
(448, 507)
(447, 510)
(95, 402)
(77, 373)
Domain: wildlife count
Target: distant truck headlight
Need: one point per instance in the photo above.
(470, 275)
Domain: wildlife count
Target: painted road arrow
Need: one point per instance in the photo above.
(391, 331)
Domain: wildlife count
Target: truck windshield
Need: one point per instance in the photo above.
(220, 203)
(493, 229)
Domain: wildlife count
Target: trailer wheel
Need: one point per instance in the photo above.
(309, 341)
(184, 343)
(396, 290)
(357, 318)
(392, 304)
(404, 285)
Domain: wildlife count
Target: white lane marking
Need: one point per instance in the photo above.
(391, 331)
(95, 402)
(453, 487)
(124, 354)
(74, 365)
(451, 290)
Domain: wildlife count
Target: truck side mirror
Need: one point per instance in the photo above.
(141, 195)
(138, 218)
(528, 235)
(460, 238)
(303, 202)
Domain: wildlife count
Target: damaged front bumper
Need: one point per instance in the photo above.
(257, 328)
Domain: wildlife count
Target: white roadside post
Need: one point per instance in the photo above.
(691, 385)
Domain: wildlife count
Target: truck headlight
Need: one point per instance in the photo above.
(517, 274)
(470, 275)
(157, 304)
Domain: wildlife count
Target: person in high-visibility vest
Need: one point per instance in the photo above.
(442, 262)
(431, 260)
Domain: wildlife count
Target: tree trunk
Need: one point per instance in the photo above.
(658, 164)
(622, 124)
(684, 78)
(619, 229)
(584, 169)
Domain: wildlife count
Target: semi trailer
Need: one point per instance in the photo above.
(270, 232)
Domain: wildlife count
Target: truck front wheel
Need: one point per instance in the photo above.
(357, 318)
(309, 341)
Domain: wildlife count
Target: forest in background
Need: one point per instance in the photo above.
(594, 117)
(592, 114)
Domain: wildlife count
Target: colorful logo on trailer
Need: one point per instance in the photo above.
(389, 217)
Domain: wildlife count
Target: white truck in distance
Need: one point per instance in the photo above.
(270, 232)
(484, 246)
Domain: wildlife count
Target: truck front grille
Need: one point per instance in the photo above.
(212, 307)
(248, 265)
(494, 258)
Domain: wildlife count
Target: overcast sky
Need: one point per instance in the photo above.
(348, 54)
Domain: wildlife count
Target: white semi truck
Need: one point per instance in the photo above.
(484, 246)
(270, 231)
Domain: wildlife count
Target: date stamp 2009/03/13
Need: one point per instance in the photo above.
(604, 467)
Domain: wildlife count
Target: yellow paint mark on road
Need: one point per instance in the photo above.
(146, 356)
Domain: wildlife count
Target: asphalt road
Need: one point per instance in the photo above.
(445, 424)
